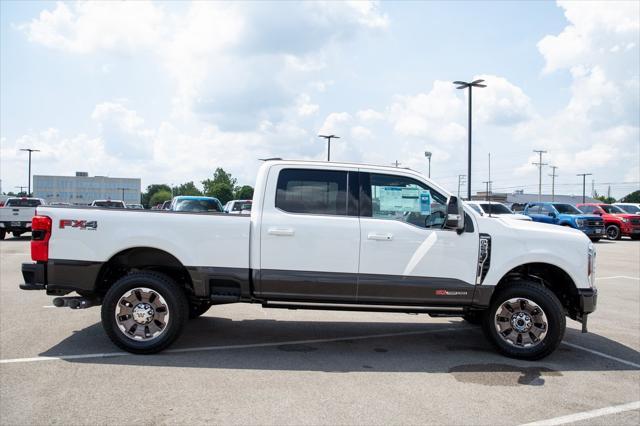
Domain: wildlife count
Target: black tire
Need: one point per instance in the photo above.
(595, 240)
(474, 317)
(2, 234)
(17, 234)
(198, 309)
(175, 305)
(545, 300)
(613, 232)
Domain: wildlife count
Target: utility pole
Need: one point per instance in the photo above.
(584, 176)
(21, 189)
(396, 163)
(593, 188)
(461, 180)
(465, 85)
(539, 164)
(29, 150)
(328, 138)
(488, 189)
(123, 189)
(553, 183)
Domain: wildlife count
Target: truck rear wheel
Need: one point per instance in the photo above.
(525, 321)
(613, 232)
(144, 312)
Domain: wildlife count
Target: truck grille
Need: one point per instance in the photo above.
(635, 221)
(595, 223)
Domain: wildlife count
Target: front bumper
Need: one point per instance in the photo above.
(587, 300)
(593, 231)
(34, 275)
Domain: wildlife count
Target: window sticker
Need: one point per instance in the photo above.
(425, 202)
(402, 199)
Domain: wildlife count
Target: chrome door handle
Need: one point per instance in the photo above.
(380, 237)
(283, 232)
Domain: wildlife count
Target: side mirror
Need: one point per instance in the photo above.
(552, 214)
(455, 215)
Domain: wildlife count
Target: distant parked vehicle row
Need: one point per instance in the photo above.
(238, 207)
(111, 204)
(192, 203)
(617, 222)
(566, 215)
(633, 208)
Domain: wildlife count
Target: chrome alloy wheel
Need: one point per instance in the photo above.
(142, 314)
(520, 322)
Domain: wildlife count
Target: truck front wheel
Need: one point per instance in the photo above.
(525, 320)
(2, 234)
(144, 312)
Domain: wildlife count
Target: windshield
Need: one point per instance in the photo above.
(202, 205)
(612, 209)
(238, 207)
(109, 204)
(19, 202)
(475, 207)
(495, 208)
(629, 208)
(566, 209)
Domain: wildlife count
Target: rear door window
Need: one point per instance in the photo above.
(312, 191)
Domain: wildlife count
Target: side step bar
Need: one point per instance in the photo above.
(439, 311)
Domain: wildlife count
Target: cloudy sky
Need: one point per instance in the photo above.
(170, 91)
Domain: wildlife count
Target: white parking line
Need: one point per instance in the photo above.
(601, 354)
(218, 348)
(617, 277)
(571, 418)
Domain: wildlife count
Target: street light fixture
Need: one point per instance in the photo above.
(29, 150)
(428, 155)
(465, 85)
(328, 138)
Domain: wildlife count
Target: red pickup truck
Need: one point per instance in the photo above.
(617, 222)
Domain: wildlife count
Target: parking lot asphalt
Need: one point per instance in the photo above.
(241, 364)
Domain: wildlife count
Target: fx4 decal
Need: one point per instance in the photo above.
(90, 225)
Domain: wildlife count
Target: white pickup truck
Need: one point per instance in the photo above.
(320, 236)
(16, 214)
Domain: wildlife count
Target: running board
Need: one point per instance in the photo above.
(439, 311)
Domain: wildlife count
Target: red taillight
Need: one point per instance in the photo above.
(40, 234)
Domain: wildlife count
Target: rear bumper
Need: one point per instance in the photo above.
(60, 277)
(34, 275)
(19, 226)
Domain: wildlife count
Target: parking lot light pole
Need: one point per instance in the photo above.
(29, 150)
(461, 179)
(553, 182)
(464, 85)
(428, 155)
(584, 177)
(328, 138)
(539, 164)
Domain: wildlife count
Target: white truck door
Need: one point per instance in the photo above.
(405, 254)
(309, 234)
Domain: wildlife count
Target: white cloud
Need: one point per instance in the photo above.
(122, 130)
(336, 123)
(369, 115)
(89, 26)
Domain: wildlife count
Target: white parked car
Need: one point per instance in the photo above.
(493, 208)
(632, 208)
(320, 236)
(238, 207)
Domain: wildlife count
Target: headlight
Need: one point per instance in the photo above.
(591, 265)
(580, 222)
(624, 219)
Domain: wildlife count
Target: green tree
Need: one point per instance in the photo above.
(159, 197)
(604, 198)
(244, 192)
(634, 197)
(188, 188)
(221, 186)
(151, 191)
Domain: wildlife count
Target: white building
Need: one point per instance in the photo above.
(83, 189)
